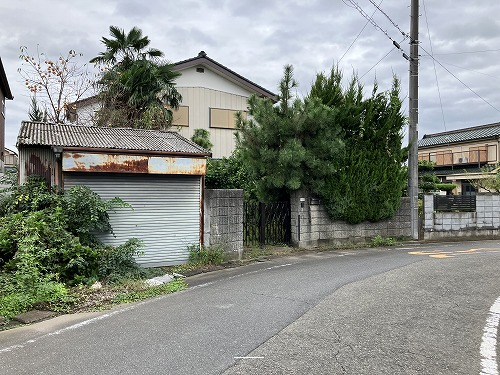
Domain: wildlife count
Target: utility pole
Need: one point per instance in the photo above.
(413, 126)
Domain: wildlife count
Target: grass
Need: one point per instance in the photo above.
(83, 298)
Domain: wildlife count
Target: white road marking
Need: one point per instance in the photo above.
(119, 311)
(248, 357)
(489, 365)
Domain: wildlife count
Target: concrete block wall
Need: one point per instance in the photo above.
(311, 225)
(223, 220)
(484, 222)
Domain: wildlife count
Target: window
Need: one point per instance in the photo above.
(468, 188)
(180, 116)
(444, 158)
(478, 154)
(224, 118)
(2, 108)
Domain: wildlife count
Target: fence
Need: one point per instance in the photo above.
(455, 219)
(445, 203)
(266, 223)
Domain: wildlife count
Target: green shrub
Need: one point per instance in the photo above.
(379, 241)
(118, 263)
(446, 187)
(27, 286)
(87, 213)
(202, 138)
(212, 255)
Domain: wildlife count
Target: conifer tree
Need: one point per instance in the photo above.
(289, 145)
(370, 183)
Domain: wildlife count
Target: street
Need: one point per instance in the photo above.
(412, 309)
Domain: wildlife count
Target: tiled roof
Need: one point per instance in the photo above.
(461, 135)
(46, 134)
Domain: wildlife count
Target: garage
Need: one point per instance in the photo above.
(160, 174)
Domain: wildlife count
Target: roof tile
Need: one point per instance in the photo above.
(46, 134)
(461, 135)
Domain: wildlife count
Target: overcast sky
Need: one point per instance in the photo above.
(257, 38)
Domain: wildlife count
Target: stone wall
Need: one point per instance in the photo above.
(483, 223)
(223, 220)
(311, 225)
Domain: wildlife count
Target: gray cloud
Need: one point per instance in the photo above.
(257, 38)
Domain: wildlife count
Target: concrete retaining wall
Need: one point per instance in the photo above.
(483, 223)
(223, 220)
(311, 225)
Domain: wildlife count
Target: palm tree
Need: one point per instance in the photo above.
(125, 49)
(136, 87)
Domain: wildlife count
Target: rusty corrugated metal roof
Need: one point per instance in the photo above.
(461, 135)
(46, 134)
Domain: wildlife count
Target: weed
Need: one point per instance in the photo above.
(379, 241)
(137, 295)
(212, 255)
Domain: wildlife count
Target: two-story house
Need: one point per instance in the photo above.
(211, 96)
(463, 154)
(5, 94)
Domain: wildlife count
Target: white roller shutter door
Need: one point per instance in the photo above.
(165, 215)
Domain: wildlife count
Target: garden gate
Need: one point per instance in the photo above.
(266, 223)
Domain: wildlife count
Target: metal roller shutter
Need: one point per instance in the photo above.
(165, 215)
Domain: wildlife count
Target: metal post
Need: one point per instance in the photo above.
(413, 126)
(262, 224)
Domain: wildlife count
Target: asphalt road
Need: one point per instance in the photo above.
(415, 310)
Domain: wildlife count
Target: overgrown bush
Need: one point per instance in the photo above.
(212, 255)
(230, 173)
(87, 213)
(27, 285)
(117, 263)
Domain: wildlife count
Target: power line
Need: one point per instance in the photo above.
(461, 67)
(372, 21)
(434, 63)
(354, 41)
(378, 62)
(466, 52)
(389, 18)
(463, 83)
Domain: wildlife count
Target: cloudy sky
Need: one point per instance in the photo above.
(458, 87)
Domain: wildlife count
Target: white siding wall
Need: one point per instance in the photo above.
(200, 100)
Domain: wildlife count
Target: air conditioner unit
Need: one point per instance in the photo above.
(460, 160)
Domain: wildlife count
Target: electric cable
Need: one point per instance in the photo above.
(463, 83)
(355, 39)
(406, 35)
(434, 63)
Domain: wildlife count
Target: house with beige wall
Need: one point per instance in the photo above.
(5, 94)
(212, 94)
(462, 155)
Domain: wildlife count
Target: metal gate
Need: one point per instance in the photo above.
(266, 223)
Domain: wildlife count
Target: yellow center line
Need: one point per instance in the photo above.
(439, 254)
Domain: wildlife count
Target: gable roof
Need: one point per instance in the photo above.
(94, 137)
(461, 135)
(203, 59)
(4, 84)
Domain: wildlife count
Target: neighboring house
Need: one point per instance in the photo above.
(4, 95)
(11, 159)
(211, 96)
(159, 173)
(462, 155)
